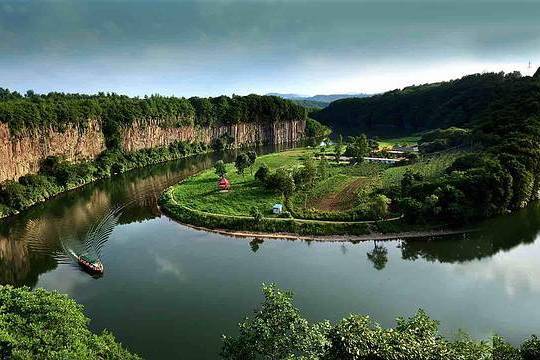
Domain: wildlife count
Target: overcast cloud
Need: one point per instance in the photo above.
(216, 47)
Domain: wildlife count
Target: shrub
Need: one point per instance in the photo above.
(262, 173)
(256, 214)
(530, 348)
(37, 324)
(220, 169)
(14, 195)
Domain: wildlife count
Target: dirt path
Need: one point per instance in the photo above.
(342, 200)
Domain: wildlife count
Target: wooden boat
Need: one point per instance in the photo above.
(90, 264)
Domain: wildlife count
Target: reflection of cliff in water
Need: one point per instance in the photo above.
(31, 243)
(495, 235)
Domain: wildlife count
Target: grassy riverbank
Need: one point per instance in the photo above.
(339, 198)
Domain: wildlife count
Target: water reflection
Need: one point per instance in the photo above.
(378, 256)
(35, 241)
(189, 286)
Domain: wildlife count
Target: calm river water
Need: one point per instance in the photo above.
(170, 291)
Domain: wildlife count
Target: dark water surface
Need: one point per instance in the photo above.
(170, 291)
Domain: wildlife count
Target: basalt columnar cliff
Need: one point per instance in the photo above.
(81, 127)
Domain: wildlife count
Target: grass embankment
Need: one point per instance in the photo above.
(337, 203)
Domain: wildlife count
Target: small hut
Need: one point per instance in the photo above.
(277, 208)
(224, 184)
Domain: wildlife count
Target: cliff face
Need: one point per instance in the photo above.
(22, 154)
(148, 134)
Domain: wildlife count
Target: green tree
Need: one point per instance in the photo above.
(241, 163)
(38, 324)
(338, 149)
(262, 173)
(359, 148)
(252, 155)
(380, 205)
(220, 168)
(276, 331)
(285, 182)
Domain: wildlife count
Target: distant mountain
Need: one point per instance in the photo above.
(325, 99)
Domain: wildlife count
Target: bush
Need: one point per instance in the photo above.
(14, 195)
(256, 214)
(262, 173)
(277, 330)
(37, 324)
(530, 348)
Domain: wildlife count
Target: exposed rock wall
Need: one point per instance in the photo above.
(22, 154)
(149, 134)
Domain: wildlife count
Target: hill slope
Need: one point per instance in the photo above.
(416, 108)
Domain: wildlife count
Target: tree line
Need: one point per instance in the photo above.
(59, 110)
(278, 330)
(421, 107)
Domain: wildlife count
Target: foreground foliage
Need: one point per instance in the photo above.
(277, 330)
(38, 324)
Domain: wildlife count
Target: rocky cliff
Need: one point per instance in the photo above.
(149, 134)
(22, 154)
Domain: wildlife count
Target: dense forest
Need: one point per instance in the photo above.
(501, 170)
(417, 108)
(59, 109)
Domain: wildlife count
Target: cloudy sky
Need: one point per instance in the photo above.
(213, 47)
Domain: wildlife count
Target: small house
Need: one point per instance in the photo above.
(224, 184)
(277, 209)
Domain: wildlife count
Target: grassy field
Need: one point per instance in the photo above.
(429, 168)
(200, 192)
(335, 197)
(406, 140)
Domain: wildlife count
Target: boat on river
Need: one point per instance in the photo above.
(90, 264)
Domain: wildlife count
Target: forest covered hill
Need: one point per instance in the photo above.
(459, 102)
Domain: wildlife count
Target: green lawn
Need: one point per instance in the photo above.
(336, 193)
(201, 192)
(406, 140)
(429, 168)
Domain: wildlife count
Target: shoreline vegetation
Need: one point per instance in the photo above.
(33, 112)
(58, 176)
(347, 197)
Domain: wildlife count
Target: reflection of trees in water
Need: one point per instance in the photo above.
(30, 243)
(255, 244)
(495, 235)
(378, 256)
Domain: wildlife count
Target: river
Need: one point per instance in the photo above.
(170, 291)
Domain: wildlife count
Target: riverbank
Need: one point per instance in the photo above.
(338, 200)
(61, 176)
(373, 236)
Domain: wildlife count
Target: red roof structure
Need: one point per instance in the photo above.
(223, 184)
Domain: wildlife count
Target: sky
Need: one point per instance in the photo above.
(213, 47)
